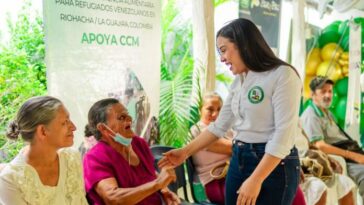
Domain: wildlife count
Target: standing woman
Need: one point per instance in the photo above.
(42, 174)
(262, 107)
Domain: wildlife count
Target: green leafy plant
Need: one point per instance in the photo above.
(22, 71)
(178, 94)
(219, 2)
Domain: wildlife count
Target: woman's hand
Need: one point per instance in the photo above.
(173, 158)
(165, 177)
(169, 197)
(248, 192)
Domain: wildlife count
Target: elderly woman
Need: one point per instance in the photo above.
(42, 173)
(216, 154)
(119, 168)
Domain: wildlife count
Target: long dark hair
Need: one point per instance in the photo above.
(254, 50)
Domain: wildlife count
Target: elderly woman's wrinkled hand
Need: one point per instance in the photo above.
(173, 158)
(165, 177)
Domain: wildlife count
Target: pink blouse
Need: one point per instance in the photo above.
(103, 162)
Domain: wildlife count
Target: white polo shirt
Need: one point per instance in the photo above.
(262, 107)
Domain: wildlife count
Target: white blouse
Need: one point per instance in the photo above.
(262, 107)
(20, 183)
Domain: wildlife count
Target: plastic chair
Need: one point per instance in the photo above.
(192, 178)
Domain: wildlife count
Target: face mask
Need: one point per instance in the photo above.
(119, 138)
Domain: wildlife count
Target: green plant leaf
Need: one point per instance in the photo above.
(221, 77)
(219, 2)
(22, 71)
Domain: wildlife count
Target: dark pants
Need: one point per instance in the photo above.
(279, 188)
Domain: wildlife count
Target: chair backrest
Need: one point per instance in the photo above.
(191, 171)
(199, 195)
(157, 151)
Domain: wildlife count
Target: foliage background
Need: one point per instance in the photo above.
(176, 94)
(22, 71)
(180, 94)
(23, 74)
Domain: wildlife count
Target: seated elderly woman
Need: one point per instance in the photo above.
(119, 168)
(216, 154)
(42, 173)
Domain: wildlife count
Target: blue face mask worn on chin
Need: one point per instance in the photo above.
(119, 138)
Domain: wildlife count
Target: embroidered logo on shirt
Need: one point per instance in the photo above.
(256, 95)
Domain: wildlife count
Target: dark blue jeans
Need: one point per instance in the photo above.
(279, 188)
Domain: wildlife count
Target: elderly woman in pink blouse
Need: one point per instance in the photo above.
(119, 168)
